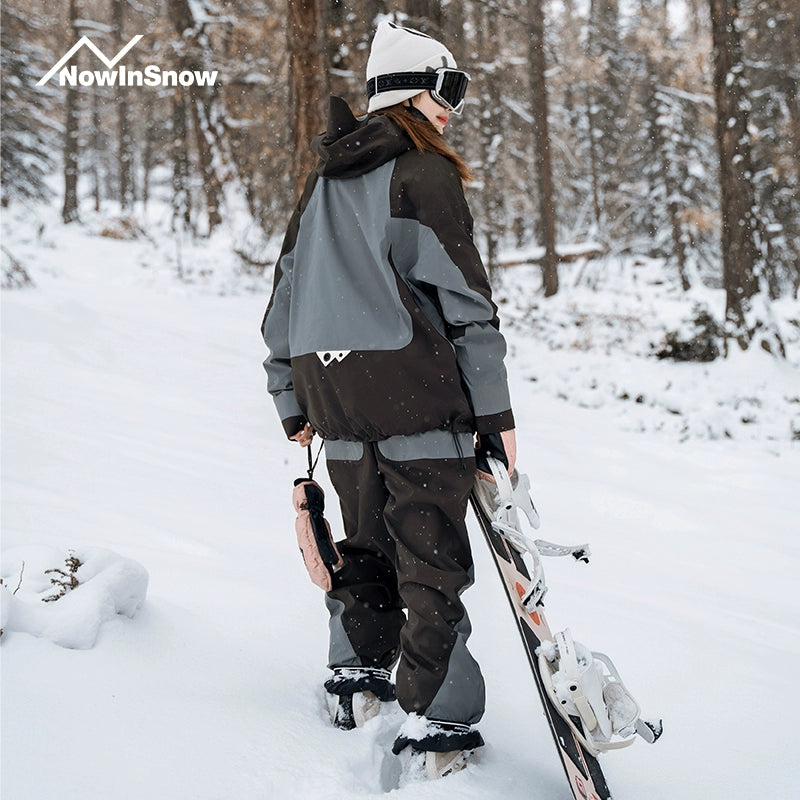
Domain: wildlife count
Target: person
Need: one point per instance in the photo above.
(384, 340)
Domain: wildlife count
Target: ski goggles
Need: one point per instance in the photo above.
(447, 86)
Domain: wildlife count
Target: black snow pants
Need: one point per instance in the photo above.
(407, 560)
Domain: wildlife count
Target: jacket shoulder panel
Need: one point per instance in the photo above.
(343, 291)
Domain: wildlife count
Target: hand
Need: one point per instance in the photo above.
(502, 446)
(510, 444)
(304, 436)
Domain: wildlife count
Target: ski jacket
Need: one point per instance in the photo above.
(381, 321)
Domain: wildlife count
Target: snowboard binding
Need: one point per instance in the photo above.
(583, 686)
(587, 691)
(501, 500)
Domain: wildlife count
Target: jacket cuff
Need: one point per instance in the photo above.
(495, 423)
(293, 425)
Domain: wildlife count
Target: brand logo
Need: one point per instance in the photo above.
(149, 75)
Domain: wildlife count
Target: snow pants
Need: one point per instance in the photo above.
(407, 560)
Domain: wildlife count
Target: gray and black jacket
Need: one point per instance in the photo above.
(381, 321)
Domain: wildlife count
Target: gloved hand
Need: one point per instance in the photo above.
(304, 435)
(502, 446)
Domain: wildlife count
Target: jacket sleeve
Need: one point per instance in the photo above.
(275, 326)
(433, 233)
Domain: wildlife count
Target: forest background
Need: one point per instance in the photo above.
(665, 129)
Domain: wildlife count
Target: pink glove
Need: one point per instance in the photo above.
(320, 553)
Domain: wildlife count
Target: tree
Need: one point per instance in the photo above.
(193, 53)
(771, 51)
(69, 210)
(541, 143)
(348, 34)
(124, 143)
(660, 156)
(487, 125)
(425, 15)
(181, 197)
(606, 102)
(255, 94)
(743, 262)
(570, 78)
(307, 75)
(27, 135)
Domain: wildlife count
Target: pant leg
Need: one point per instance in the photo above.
(364, 604)
(403, 505)
(437, 676)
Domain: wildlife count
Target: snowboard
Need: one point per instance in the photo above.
(583, 771)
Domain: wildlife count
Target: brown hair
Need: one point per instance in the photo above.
(425, 137)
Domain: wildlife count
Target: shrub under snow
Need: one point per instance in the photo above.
(67, 597)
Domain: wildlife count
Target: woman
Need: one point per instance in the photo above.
(384, 340)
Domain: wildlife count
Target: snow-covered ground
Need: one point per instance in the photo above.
(136, 431)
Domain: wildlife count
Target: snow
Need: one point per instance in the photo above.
(137, 435)
(68, 605)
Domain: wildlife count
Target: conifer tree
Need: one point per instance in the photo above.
(28, 135)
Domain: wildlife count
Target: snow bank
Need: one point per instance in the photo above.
(596, 345)
(66, 598)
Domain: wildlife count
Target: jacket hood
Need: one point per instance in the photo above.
(352, 147)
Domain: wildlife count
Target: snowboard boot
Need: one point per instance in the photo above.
(354, 695)
(350, 711)
(431, 749)
(428, 765)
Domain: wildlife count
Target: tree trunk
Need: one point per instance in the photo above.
(308, 80)
(739, 251)
(96, 147)
(490, 127)
(125, 153)
(593, 158)
(204, 141)
(541, 137)
(181, 200)
(193, 57)
(69, 211)
(147, 156)
(425, 15)
(792, 13)
(605, 113)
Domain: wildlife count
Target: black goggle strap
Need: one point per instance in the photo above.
(401, 80)
(449, 85)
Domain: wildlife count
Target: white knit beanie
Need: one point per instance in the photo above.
(396, 49)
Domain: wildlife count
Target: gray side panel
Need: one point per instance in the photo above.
(421, 260)
(344, 292)
(340, 651)
(419, 255)
(276, 324)
(339, 450)
(480, 353)
(427, 445)
(462, 696)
